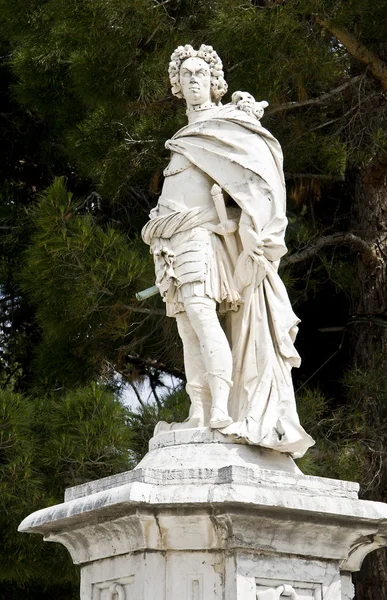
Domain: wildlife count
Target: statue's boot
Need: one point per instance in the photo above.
(220, 391)
(199, 413)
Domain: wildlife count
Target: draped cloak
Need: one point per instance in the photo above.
(242, 157)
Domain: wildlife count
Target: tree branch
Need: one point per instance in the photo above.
(314, 176)
(319, 100)
(154, 391)
(138, 396)
(145, 311)
(326, 241)
(149, 362)
(377, 66)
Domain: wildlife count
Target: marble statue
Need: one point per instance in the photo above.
(217, 508)
(217, 236)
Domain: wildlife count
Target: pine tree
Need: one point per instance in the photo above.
(88, 88)
(48, 443)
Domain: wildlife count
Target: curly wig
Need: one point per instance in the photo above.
(206, 53)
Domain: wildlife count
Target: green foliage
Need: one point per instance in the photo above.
(367, 414)
(369, 387)
(341, 272)
(311, 405)
(97, 72)
(48, 444)
(174, 408)
(350, 446)
(92, 437)
(338, 452)
(80, 277)
(85, 95)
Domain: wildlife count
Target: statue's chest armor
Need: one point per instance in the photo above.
(186, 184)
(177, 164)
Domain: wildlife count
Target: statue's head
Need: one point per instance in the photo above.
(197, 75)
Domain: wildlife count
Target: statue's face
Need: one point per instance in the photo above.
(195, 81)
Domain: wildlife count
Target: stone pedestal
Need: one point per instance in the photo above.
(204, 519)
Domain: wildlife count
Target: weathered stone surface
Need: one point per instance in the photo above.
(207, 456)
(238, 531)
(217, 236)
(221, 513)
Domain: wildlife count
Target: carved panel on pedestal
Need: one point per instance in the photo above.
(117, 589)
(268, 589)
(195, 586)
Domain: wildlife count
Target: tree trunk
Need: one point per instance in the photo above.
(369, 218)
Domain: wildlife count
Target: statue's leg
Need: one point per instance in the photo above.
(197, 385)
(216, 355)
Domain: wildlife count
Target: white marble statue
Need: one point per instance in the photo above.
(217, 236)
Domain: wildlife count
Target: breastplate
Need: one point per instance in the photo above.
(177, 164)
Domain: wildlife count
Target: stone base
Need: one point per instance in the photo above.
(204, 519)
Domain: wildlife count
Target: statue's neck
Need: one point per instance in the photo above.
(200, 112)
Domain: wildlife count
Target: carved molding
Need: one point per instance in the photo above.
(194, 586)
(112, 590)
(361, 548)
(117, 590)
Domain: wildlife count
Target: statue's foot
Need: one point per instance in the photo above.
(219, 419)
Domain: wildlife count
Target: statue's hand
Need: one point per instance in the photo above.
(251, 242)
(251, 265)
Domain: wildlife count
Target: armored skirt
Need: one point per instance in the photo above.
(194, 263)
